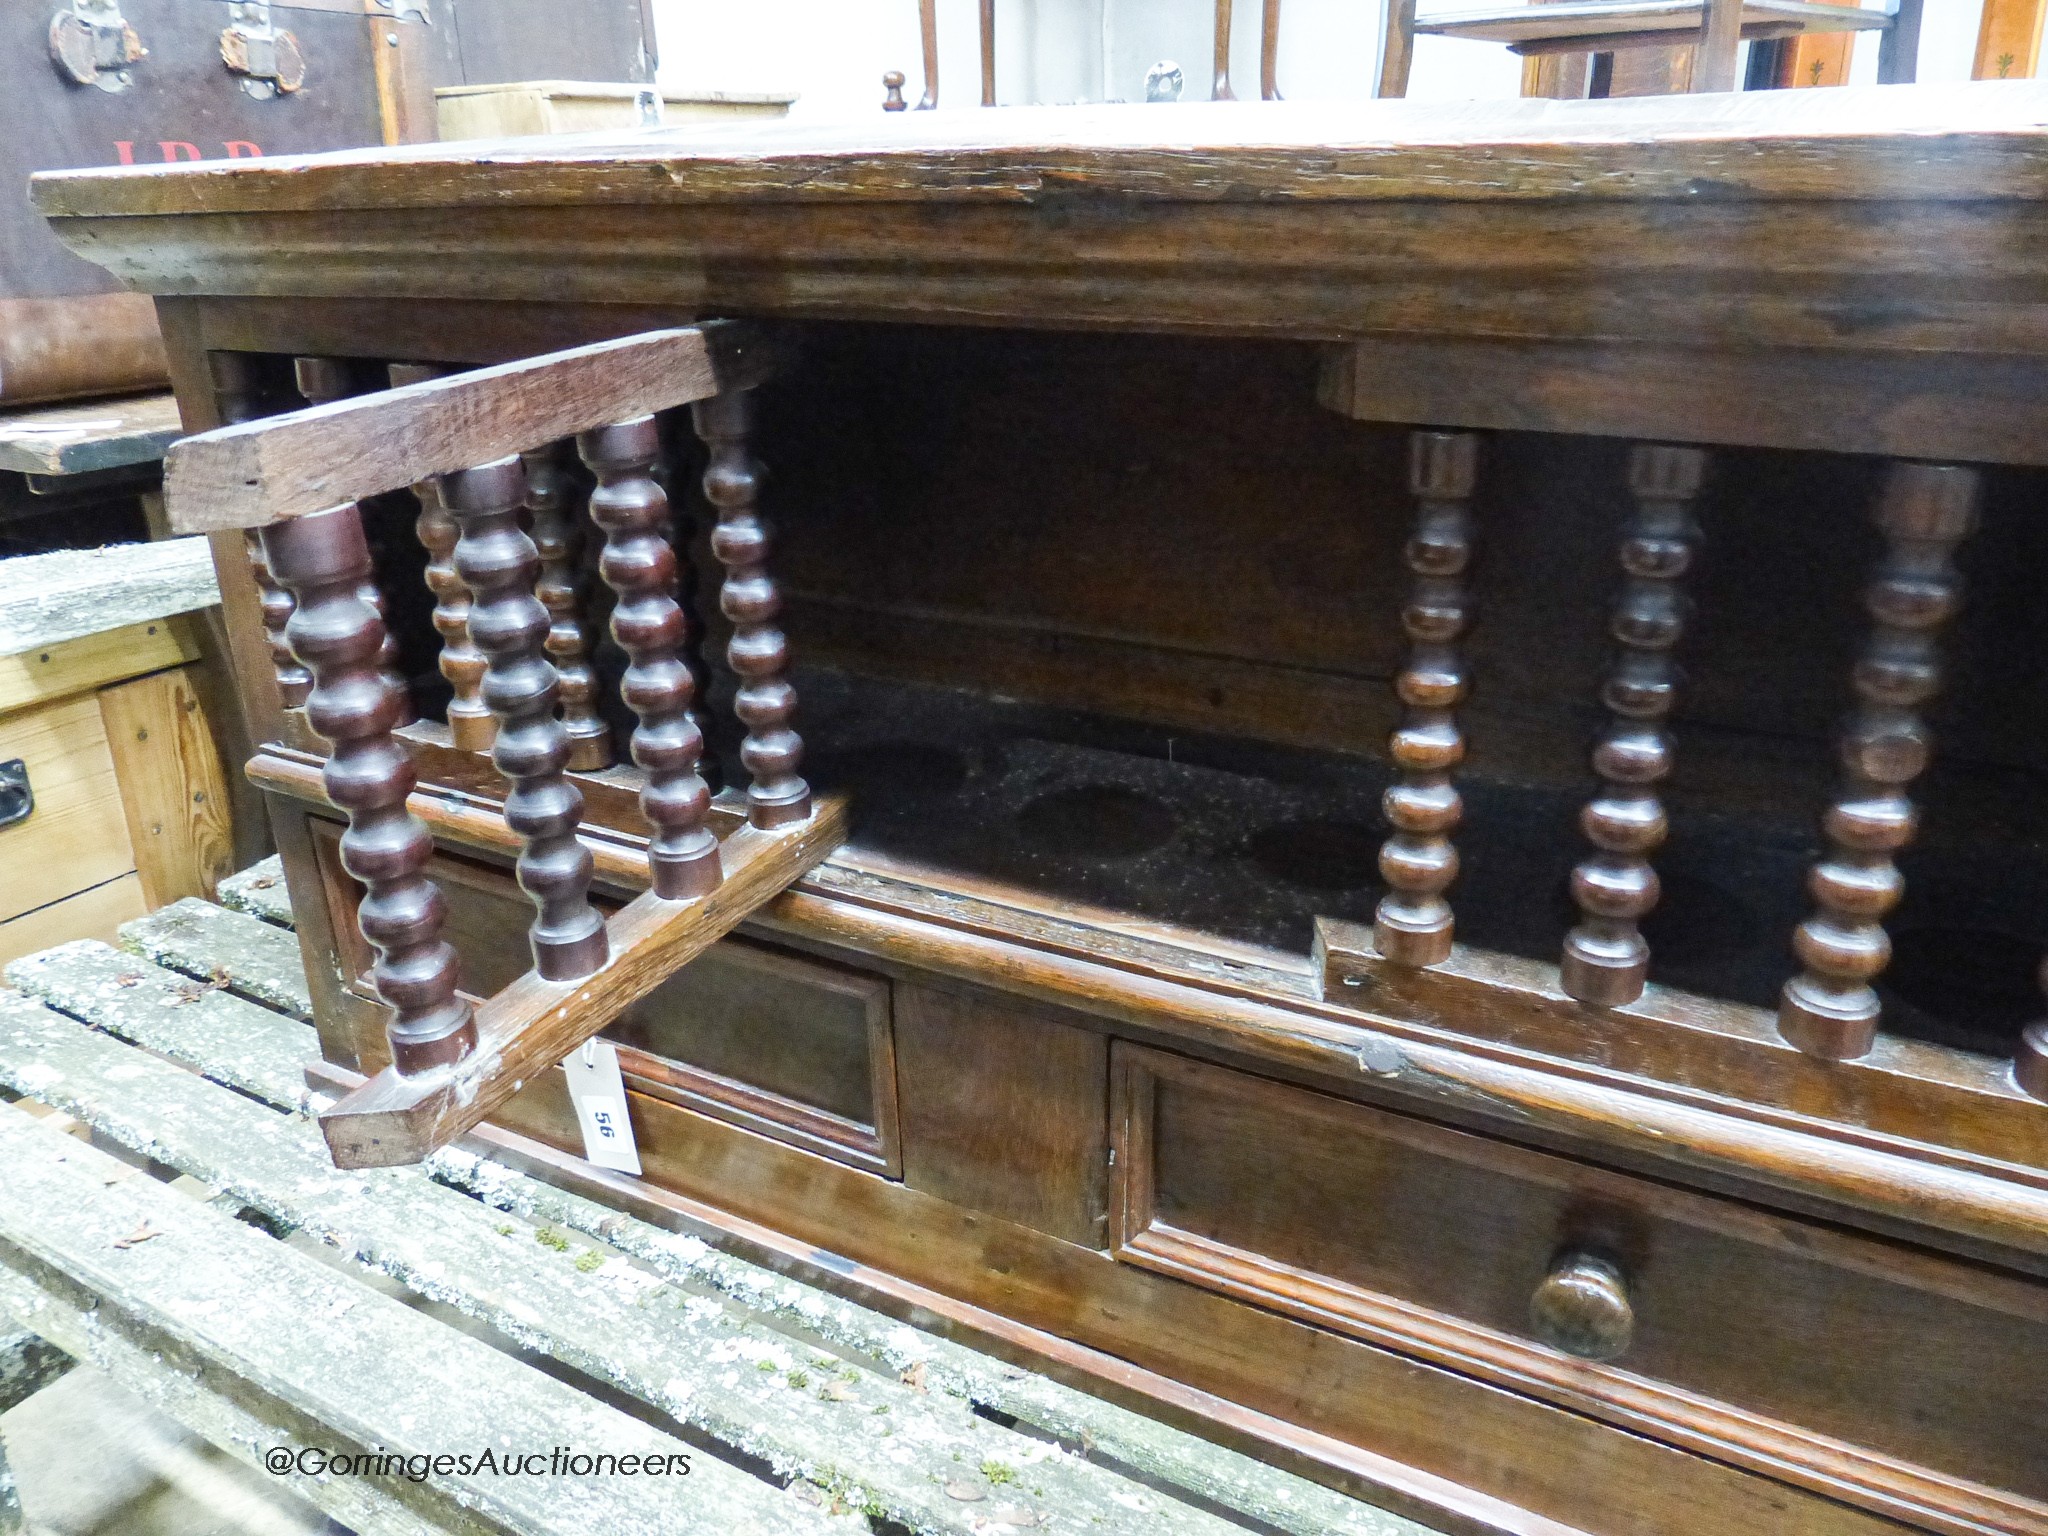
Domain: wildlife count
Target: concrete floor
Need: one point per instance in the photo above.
(91, 1460)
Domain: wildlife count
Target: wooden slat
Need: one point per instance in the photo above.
(534, 1023)
(232, 1041)
(259, 891)
(1098, 1429)
(208, 1287)
(42, 673)
(68, 593)
(260, 472)
(1919, 405)
(206, 941)
(749, 1386)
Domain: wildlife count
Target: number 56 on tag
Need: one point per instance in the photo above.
(599, 1094)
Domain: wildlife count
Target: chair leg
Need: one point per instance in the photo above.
(1713, 65)
(1397, 48)
(928, 29)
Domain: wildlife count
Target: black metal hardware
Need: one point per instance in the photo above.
(17, 800)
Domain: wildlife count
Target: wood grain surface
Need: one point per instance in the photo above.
(1872, 222)
(173, 788)
(258, 472)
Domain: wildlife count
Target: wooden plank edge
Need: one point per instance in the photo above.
(62, 1214)
(259, 472)
(1507, 998)
(42, 674)
(259, 891)
(1953, 405)
(534, 1023)
(243, 1434)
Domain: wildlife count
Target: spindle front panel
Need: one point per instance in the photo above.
(788, 1045)
(1747, 1334)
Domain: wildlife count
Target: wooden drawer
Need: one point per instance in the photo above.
(1865, 1367)
(788, 1045)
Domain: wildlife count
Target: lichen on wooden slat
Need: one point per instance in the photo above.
(1109, 1433)
(229, 1039)
(50, 598)
(806, 1412)
(259, 891)
(355, 1369)
(226, 1046)
(211, 943)
(242, 1433)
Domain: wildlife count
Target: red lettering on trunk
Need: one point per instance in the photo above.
(242, 149)
(125, 148)
(177, 149)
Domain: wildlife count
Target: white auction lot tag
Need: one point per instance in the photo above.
(599, 1094)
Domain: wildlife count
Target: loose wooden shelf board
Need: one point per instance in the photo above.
(77, 439)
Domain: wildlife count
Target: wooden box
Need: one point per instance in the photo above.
(117, 799)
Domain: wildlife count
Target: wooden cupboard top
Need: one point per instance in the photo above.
(1892, 219)
(1949, 143)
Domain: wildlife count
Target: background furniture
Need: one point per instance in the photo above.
(574, 106)
(1160, 496)
(1220, 87)
(1544, 27)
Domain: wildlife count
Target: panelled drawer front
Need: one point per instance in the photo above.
(1715, 1319)
(794, 1047)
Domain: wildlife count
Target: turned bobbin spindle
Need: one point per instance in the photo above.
(499, 565)
(759, 653)
(639, 565)
(892, 86)
(1413, 924)
(1830, 1009)
(470, 726)
(322, 380)
(1606, 961)
(324, 561)
(237, 397)
(555, 500)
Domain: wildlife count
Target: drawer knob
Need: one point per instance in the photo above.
(1582, 1308)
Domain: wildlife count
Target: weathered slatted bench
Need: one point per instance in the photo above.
(184, 1054)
